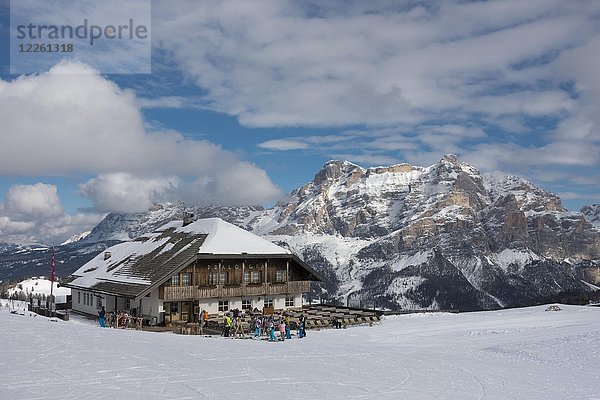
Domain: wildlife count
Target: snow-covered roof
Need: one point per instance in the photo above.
(225, 238)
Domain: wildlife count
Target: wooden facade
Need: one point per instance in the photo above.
(234, 278)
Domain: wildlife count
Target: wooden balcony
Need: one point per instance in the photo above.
(200, 292)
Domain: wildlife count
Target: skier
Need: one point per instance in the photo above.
(205, 319)
(239, 327)
(227, 325)
(288, 331)
(101, 315)
(271, 328)
(257, 326)
(282, 330)
(201, 322)
(302, 326)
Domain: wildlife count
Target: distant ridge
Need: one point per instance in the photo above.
(438, 237)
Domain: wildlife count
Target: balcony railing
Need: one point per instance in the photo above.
(200, 292)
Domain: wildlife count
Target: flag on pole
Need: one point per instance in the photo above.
(52, 270)
(52, 276)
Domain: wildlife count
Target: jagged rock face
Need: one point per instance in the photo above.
(443, 236)
(434, 284)
(495, 229)
(127, 226)
(506, 225)
(339, 201)
(592, 214)
(345, 199)
(7, 246)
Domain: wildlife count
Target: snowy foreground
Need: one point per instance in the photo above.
(512, 354)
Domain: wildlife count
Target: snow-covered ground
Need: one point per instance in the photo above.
(511, 354)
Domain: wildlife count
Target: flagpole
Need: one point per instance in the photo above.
(52, 273)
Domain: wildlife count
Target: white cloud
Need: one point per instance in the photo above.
(39, 200)
(8, 227)
(283, 144)
(172, 102)
(275, 63)
(34, 213)
(399, 68)
(127, 193)
(238, 184)
(72, 120)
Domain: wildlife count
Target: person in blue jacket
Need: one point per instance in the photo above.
(101, 315)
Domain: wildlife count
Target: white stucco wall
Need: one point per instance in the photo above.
(80, 305)
(212, 305)
(152, 306)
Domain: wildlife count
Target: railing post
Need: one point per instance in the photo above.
(287, 276)
(243, 271)
(266, 284)
(219, 283)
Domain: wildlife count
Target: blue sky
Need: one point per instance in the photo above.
(258, 95)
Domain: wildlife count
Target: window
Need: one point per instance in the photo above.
(185, 279)
(246, 304)
(246, 276)
(127, 304)
(223, 278)
(85, 298)
(289, 301)
(223, 305)
(167, 308)
(78, 297)
(255, 277)
(268, 302)
(212, 278)
(174, 308)
(280, 276)
(175, 280)
(98, 302)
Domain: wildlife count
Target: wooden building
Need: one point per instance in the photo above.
(176, 271)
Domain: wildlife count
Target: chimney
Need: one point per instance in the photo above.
(107, 255)
(188, 218)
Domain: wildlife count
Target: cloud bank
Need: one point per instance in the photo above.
(34, 213)
(523, 72)
(73, 121)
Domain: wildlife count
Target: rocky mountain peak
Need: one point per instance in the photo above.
(450, 159)
(528, 196)
(333, 170)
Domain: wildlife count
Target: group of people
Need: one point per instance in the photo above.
(120, 319)
(233, 325)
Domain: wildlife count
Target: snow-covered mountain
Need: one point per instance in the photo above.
(592, 214)
(403, 236)
(121, 227)
(443, 236)
(76, 238)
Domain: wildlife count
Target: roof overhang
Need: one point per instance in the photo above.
(96, 291)
(246, 256)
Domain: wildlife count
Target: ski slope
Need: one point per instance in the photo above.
(510, 354)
